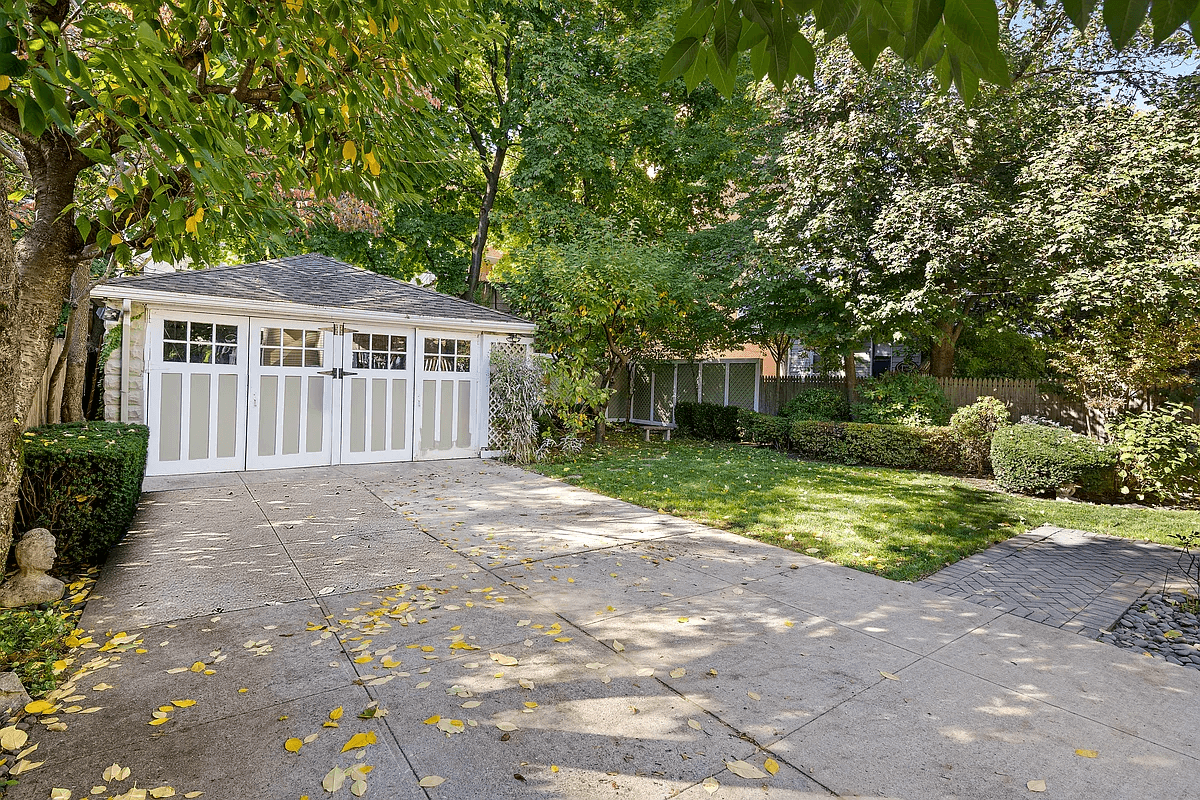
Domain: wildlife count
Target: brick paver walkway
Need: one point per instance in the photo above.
(1068, 579)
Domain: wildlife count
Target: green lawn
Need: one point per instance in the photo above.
(900, 524)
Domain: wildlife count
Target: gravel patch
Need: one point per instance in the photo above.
(1162, 626)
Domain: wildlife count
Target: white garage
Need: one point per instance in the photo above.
(299, 361)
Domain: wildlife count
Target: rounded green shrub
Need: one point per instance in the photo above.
(1033, 459)
(975, 425)
(902, 399)
(820, 403)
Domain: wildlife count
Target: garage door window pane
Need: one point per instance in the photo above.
(227, 334)
(291, 347)
(224, 354)
(453, 355)
(175, 330)
(201, 354)
(174, 351)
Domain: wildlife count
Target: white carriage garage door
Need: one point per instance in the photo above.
(234, 393)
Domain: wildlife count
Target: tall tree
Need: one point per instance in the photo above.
(173, 126)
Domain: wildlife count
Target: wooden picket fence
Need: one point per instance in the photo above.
(1022, 397)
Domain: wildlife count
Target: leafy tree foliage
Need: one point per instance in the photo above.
(960, 41)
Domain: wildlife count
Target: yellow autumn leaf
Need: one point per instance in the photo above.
(293, 745)
(1087, 753)
(160, 720)
(112, 193)
(430, 781)
(678, 673)
(183, 703)
(393, 24)
(336, 713)
(562, 638)
(554, 768)
(60, 794)
(371, 26)
(346, 116)
(507, 727)
(349, 151)
(889, 676)
(190, 795)
(199, 665)
(115, 239)
(771, 766)
(433, 720)
(162, 791)
(5, 81)
(295, 6)
(1038, 785)
(359, 740)
(333, 780)
(13, 738)
(711, 785)
(362, 660)
(301, 75)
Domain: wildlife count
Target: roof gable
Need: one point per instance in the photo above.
(311, 279)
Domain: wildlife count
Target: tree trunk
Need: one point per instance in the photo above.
(941, 357)
(849, 364)
(34, 279)
(479, 244)
(75, 346)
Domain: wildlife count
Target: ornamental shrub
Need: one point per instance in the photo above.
(31, 640)
(707, 421)
(819, 402)
(1160, 453)
(975, 425)
(763, 428)
(1033, 459)
(82, 480)
(931, 448)
(900, 398)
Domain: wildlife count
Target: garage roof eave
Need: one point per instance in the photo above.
(278, 308)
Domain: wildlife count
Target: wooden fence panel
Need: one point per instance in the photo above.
(1022, 397)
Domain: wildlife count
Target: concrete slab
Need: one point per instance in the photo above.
(132, 593)
(1108, 684)
(352, 561)
(899, 613)
(626, 737)
(164, 483)
(236, 756)
(284, 663)
(940, 733)
(588, 587)
(750, 661)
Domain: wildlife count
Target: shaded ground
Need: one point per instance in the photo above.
(518, 637)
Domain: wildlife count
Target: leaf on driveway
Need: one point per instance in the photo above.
(333, 780)
(595, 665)
(1036, 786)
(526, 683)
(711, 785)
(503, 660)
(771, 766)
(293, 745)
(162, 791)
(13, 738)
(888, 675)
(507, 726)
(430, 781)
(60, 794)
(678, 673)
(336, 714)
(744, 769)
(695, 725)
(359, 740)
(358, 788)
(754, 695)
(620, 648)
(1087, 753)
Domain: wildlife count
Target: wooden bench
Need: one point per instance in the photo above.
(665, 430)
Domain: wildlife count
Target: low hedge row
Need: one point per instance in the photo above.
(707, 421)
(932, 448)
(82, 481)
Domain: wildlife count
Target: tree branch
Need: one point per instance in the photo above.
(18, 160)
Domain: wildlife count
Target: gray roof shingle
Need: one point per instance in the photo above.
(312, 279)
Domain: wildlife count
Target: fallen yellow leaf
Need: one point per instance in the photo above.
(359, 740)
(888, 675)
(771, 766)
(336, 714)
(744, 769)
(1087, 753)
(293, 745)
(430, 781)
(183, 703)
(1036, 786)
(433, 720)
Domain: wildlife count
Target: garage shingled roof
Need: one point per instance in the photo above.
(313, 279)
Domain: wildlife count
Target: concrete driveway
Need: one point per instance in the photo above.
(515, 636)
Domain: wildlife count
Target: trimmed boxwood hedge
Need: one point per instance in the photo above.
(878, 445)
(82, 481)
(707, 421)
(764, 429)
(1035, 459)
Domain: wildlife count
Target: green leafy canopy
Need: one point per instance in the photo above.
(959, 40)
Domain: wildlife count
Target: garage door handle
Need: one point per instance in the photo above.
(333, 372)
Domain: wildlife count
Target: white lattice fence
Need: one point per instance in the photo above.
(500, 432)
